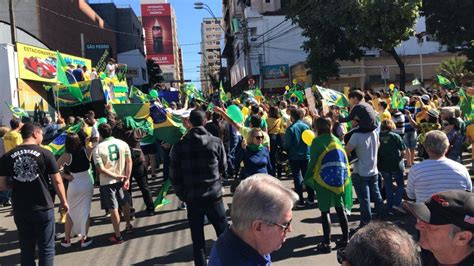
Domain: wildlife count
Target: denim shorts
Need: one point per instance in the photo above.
(410, 139)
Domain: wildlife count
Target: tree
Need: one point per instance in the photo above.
(341, 30)
(452, 24)
(155, 75)
(454, 69)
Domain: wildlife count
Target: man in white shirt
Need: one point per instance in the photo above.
(438, 173)
(114, 163)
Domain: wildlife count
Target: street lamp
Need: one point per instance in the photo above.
(419, 36)
(201, 5)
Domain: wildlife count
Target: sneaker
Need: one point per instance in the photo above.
(182, 206)
(323, 248)
(7, 203)
(312, 202)
(85, 243)
(341, 243)
(150, 212)
(128, 229)
(300, 204)
(107, 213)
(116, 240)
(399, 209)
(66, 243)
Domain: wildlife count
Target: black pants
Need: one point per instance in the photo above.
(215, 212)
(327, 225)
(140, 175)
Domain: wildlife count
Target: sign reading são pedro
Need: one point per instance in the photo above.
(39, 64)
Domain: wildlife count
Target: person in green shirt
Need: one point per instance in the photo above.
(390, 164)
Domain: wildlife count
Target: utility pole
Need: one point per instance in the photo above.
(12, 23)
(248, 63)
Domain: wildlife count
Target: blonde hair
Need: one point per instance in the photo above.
(253, 133)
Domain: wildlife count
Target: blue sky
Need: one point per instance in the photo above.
(188, 20)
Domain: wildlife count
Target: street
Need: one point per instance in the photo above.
(165, 239)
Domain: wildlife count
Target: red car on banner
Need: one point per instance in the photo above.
(41, 67)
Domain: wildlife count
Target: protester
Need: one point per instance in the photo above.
(86, 73)
(50, 130)
(332, 184)
(196, 164)
(27, 170)
(384, 114)
(261, 218)
(111, 68)
(80, 189)
(114, 163)
(365, 172)
(446, 225)
(256, 157)
(275, 124)
(390, 164)
(4, 195)
(438, 173)
(298, 155)
(381, 244)
(13, 138)
(456, 139)
(361, 111)
(424, 126)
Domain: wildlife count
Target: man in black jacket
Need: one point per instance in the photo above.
(196, 164)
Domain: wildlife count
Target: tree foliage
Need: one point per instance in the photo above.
(340, 30)
(452, 22)
(454, 69)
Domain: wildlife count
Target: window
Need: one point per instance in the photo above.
(267, 1)
(208, 29)
(253, 31)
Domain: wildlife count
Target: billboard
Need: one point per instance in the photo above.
(99, 53)
(275, 76)
(39, 64)
(156, 21)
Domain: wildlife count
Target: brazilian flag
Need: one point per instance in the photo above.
(57, 145)
(17, 111)
(73, 88)
(166, 127)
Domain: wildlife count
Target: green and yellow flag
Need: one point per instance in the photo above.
(397, 100)
(466, 105)
(17, 111)
(222, 95)
(332, 97)
(61, 75)
(57, 145)
(138, 95)
(166, 127)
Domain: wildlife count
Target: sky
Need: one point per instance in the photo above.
(188, 22)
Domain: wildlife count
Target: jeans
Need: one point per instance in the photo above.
(394, 198)
(365, 187)
(5, 196)
(36, 228)
(215, 212)
(141, 177)
(298, 168)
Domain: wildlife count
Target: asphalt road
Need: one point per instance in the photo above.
(165, 239)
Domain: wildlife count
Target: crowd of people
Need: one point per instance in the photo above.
(403, 160)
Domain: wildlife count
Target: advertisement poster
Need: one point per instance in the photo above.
(40, 64)
(275, 76)
(156, 20)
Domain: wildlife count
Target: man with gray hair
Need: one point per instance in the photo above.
(382, 244)
(261, 217)
(438, 173)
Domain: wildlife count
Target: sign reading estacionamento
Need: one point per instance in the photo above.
(39, 64)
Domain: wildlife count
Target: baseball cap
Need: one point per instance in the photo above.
(448, 207)
(425, 97)
(433, 113)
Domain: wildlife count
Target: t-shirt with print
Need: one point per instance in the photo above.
(365, 146)
(28, 167)
(111, 153)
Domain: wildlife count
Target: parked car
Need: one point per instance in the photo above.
(40, 67)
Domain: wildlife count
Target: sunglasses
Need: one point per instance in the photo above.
(259, 137)
(285, 227)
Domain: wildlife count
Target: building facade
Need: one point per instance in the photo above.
(210, 68)
(161, 38)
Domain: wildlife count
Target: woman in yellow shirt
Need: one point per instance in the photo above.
(275, 124)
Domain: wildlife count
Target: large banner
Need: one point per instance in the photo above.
(39, 64)
(99, 53)
(156, 20)
(275, 76)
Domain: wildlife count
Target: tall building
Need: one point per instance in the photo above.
(129, 36)
(211, 32)
(161, 38)
(125, 23)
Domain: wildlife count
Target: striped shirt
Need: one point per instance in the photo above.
(433, 176)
